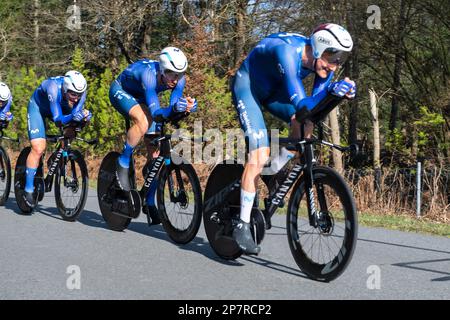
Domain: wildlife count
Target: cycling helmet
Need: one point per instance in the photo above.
(172, 59)
(74, 81)
(334, 39)
(5, 93)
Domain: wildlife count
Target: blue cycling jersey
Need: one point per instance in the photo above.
(49, 97)
(7, 107)
(140, 81)
(271, 77)
(275, 68)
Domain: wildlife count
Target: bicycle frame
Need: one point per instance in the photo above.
(63, 149)
(164, 142)
(3, 137)
(305, 167)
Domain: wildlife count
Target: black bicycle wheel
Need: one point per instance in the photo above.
(180, 202)
(19, 180)
(5, 176)
(105, 193)
(218, 222)
(323, 252)
(71, 186)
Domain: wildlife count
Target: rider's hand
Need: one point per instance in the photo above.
(181, 105)
(6, 116)
(343, 88)
(81, 115)
(192, 104)
(87, 115)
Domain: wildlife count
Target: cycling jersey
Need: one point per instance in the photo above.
(271, 77)
(138, 84)
(47, 101)
(6, 108)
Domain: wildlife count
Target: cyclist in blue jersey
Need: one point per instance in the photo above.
(271, 77)
(139, 84)
(60, 99)
(5, 103)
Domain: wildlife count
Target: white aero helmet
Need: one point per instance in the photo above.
(74, 81)
(333, 39)
(172, 59)
(5, 93)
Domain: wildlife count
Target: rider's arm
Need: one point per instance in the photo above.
(52, 93)
(293, 84)
(148, 81)
(177, 92)
(80, 104)
(7, 107)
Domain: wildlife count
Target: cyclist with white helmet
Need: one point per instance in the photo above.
(5, 103)
(137, 86)
(271, 77)
(60, 99)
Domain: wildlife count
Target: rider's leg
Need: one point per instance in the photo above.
(37, 150)
(128, 106)
(252, 122)
(36, 134)
(252, 170)
(134, 135)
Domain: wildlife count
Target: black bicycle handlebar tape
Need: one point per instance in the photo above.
(320, 111)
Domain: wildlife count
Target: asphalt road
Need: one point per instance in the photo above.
(44, 257)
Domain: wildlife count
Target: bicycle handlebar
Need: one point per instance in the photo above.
(293, 142)
(321, 110)
(174, 118)
(77, 126)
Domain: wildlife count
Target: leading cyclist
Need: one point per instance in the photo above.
(271, 77)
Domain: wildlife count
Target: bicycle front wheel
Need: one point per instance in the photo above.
(180, 202)
(324, 251)
(71, 186)
(5, 176)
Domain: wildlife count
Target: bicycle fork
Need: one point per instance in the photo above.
(52, 169)
(313, 213)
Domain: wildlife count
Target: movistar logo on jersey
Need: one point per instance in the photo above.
(258, 135)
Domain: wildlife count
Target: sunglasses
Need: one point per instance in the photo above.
(73, 94)
(335, 57)
(172, 75)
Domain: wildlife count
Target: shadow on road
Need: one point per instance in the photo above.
(198, 244)
(201, 246)
(11, 204)
(413, 265)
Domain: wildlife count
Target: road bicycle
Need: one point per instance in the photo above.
(5, 166)
(66, 166)
(178, 195)
(321, 219)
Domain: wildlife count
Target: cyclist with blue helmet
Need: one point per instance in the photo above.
(139, 84)
(271, 77)
(60, 99)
